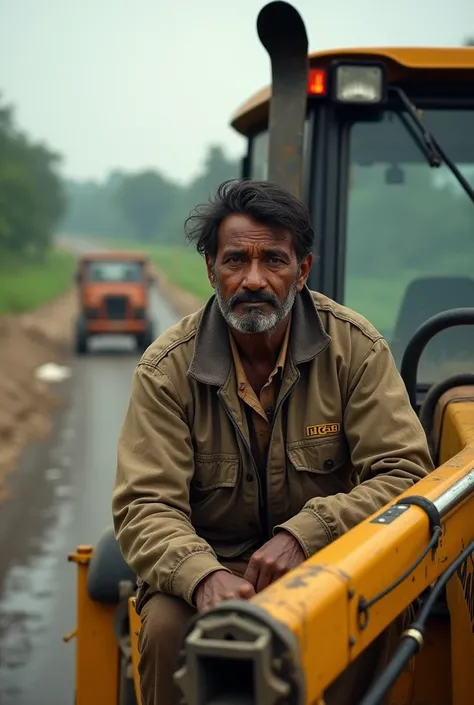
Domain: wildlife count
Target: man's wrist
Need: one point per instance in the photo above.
(202, 580)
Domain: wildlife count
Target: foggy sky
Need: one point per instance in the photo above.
(151, 83)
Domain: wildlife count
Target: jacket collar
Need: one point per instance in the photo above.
(212, 358)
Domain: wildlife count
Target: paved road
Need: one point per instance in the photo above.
(62, 498)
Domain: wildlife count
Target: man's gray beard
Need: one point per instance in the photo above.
(256, 321)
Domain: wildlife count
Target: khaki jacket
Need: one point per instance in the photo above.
(344, 442)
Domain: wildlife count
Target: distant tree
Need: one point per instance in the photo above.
(92, 210)
(217, 167)
(469, 42)
(31, 194)
(145, 205)
(145, 199)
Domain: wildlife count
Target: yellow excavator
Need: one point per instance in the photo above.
(380, 144)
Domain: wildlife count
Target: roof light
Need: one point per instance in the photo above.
(359, 84)
(317, 83)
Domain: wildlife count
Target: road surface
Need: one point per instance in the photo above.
(62, 498)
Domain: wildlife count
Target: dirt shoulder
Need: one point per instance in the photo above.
(26, 343)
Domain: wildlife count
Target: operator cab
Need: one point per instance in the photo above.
(388, 174)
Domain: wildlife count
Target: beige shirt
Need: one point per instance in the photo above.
(262, 406)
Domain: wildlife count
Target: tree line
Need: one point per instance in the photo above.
(35, 202)
(32, 198)
(146, 206)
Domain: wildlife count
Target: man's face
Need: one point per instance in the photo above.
(256, 274)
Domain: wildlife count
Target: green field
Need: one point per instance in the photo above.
(25, 284)
(184, 267)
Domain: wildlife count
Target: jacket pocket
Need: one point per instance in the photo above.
(214, 505)
(317, 468)
(318, 456)
(212, 472)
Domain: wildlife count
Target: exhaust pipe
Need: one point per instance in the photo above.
(282, 32)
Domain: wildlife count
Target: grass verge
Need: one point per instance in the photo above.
(184, 267)
(26, 284)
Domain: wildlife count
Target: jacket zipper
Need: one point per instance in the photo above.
(277, 410)
(263, 513)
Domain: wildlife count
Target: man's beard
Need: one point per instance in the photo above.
(253, 319)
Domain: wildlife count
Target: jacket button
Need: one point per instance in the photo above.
(199, 483)
(249, 477)
(328, 464)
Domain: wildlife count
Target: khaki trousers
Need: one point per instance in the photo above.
(164, 619)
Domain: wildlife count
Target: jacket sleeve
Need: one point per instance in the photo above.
(150, 504)
(388, 449)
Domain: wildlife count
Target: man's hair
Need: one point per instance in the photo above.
(265, 202)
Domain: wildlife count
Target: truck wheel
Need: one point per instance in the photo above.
(126, 685)
(80, 337)
(144, 340)
(126, 695)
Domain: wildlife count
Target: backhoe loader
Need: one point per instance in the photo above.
(380, 144)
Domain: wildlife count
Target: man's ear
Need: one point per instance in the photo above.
(305, 266)
(210, 270)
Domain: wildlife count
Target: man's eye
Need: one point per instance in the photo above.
(275, 260)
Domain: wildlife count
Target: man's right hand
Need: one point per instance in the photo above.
(219, 586)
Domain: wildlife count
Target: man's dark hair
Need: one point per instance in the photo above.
(264, 201)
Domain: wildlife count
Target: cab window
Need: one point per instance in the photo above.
(410, 235)
(110, 272)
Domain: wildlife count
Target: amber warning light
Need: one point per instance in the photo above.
(317, 82)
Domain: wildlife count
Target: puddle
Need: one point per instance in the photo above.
(51, 372)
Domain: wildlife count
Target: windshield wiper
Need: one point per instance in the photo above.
(430, 147)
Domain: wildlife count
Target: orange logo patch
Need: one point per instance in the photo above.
(322, 429)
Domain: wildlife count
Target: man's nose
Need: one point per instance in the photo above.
(254, 276)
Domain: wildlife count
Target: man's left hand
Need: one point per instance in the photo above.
(275, 558)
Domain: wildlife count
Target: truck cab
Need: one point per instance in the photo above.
(113, 292)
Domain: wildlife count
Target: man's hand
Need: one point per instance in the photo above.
(219, 586)
(275, 558)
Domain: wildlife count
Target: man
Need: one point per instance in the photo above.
(259, 429)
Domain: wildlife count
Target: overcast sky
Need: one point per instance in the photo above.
(151, 83)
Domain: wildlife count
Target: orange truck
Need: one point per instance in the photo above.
(113, 296)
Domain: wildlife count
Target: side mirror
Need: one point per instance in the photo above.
(394, 175)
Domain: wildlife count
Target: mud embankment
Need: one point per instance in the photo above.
(26, 343)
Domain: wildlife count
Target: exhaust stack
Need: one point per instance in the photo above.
(282, 32)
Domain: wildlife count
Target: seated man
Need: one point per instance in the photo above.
(259, 429)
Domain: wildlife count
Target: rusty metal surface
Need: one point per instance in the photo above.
(282, 32)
